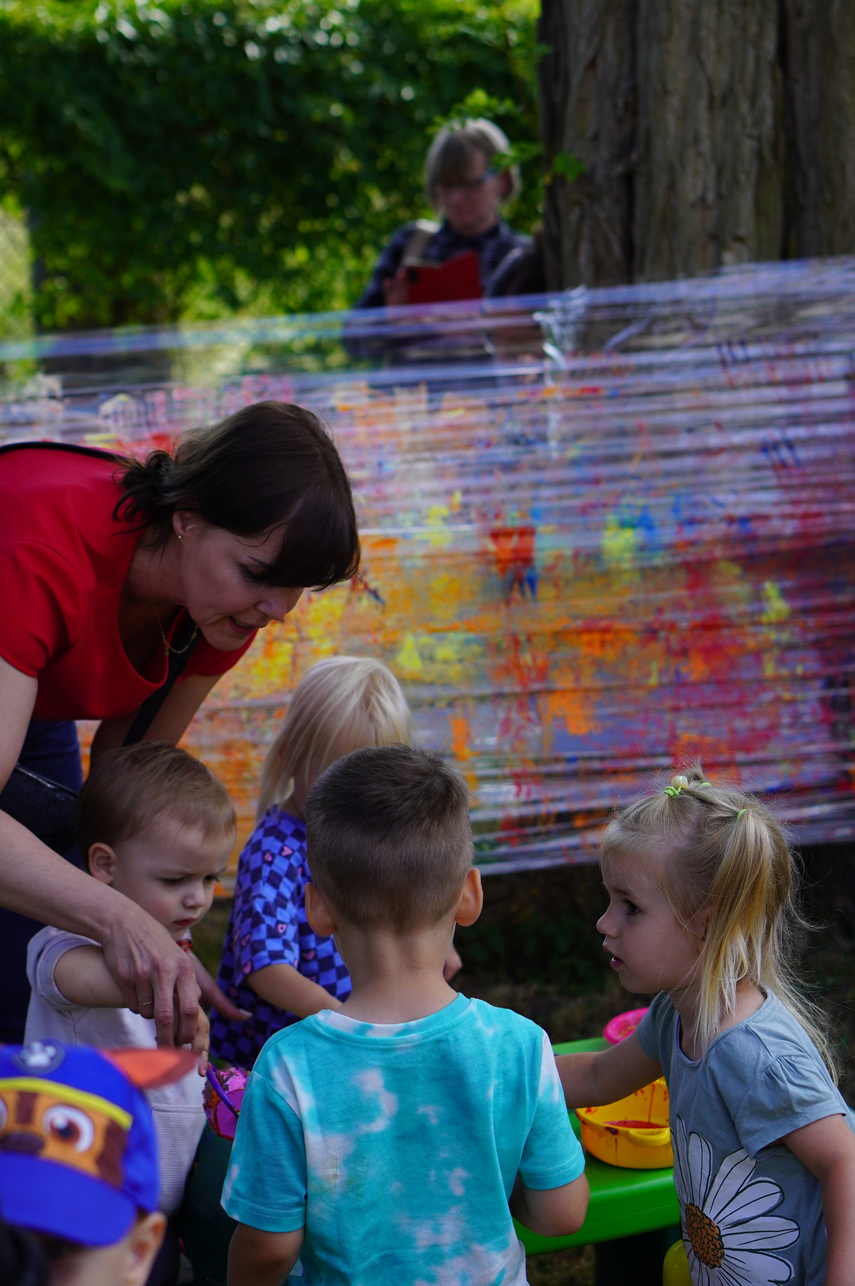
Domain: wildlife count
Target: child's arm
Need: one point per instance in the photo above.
(551, 1212)
(258, 1258)
(212, 995)
(827, 1149)
(82, 977)
(591, 1080)
(283, 986)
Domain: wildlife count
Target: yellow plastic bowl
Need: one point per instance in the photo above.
(633, 1133)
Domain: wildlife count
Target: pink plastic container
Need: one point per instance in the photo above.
(222, 1097)
(623, 1025)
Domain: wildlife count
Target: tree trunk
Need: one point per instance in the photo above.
(710, 132)
(588, 109)
(818, 51)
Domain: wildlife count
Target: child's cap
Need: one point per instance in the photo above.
(78, 1152)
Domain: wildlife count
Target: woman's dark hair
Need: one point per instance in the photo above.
(269, 465)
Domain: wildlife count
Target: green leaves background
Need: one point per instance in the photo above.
(200, 159)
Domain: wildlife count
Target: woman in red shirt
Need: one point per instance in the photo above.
(109, 568)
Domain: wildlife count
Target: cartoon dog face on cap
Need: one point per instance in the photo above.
(60, 1123)
(78, 1150)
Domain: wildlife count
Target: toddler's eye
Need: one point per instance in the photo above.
(172, 880)
(631, 908)
(69, 1126)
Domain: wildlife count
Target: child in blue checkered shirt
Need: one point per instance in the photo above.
(273, 964)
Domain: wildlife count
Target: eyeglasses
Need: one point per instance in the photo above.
(467, 185)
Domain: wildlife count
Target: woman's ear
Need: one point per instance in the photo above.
(319, 913)
(182, 521)
(471, 899)
(102, 862)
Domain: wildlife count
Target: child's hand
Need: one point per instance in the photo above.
(213, 997)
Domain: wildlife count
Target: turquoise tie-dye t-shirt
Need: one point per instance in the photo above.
(397, 1146)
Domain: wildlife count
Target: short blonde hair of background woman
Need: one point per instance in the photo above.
(454, 149)
(342, 703)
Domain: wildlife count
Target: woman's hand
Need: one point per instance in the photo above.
(395, 290)
(156, 977)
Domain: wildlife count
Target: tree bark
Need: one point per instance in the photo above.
(818, 53)
(712, 132)
(588, 109)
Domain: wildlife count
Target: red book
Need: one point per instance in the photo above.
(437, 283)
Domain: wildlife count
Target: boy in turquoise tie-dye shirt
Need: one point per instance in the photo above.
(390, 1141)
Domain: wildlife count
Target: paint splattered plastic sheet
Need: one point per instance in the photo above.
(604, 532)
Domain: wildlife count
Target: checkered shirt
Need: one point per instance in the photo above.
(267, 925)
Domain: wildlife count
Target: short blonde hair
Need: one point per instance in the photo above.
(388, 836)
(454, 148)
(342, 701)
(128, 788)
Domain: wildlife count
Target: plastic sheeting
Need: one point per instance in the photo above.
(604, 532)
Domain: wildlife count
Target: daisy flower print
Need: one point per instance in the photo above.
(730, 1232)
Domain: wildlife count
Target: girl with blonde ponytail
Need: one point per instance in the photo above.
(701, 883)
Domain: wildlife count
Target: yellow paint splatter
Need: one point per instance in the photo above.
(437, 517)
(449, 650)
(619, 543)
(775, 605)
(408, 658)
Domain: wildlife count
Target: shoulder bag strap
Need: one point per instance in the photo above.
(72, 448)
(185, 643)
(418, 239)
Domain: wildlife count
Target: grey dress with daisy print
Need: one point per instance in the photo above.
(751, 1212)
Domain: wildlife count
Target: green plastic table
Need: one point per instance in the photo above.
(623, 1202)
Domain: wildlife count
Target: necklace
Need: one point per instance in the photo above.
(168, 649)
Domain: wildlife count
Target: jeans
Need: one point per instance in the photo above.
(52, 749)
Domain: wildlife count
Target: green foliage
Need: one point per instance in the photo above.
(568, 166)
(195, 158)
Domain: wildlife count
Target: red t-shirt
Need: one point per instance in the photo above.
(63, 563)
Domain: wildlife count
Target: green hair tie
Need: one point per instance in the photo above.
(679, 782)
(741, 811)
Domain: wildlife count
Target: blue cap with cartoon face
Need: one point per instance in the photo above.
(78, 1151)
